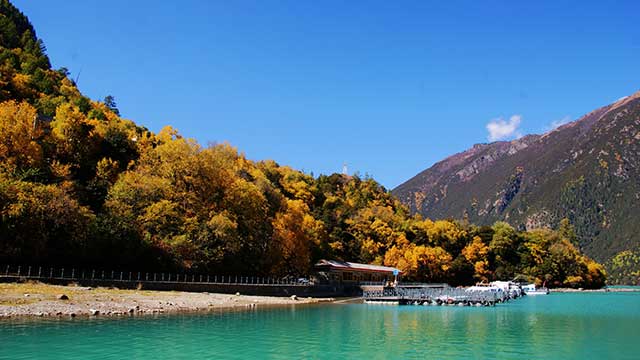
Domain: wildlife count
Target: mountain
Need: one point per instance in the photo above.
(587, 171)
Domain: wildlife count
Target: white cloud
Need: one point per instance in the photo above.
(557, 123)
(500, 129)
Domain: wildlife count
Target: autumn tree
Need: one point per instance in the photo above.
(19, 147)
(476, 253)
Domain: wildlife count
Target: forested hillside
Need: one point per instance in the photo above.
(80, 185)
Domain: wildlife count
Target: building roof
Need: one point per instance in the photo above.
(343, 265)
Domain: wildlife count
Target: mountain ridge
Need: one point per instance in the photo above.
(586, 171)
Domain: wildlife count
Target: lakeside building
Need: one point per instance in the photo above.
(349, 272)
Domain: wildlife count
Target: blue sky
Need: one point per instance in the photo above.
(388, 87)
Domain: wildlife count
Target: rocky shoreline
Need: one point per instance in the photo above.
(42, 300)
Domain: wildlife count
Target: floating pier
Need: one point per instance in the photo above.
(435, 296)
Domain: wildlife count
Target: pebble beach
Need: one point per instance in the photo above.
(43, 300)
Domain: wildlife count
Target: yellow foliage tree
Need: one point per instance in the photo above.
(18, 143)
(476, 253)
(294, 231)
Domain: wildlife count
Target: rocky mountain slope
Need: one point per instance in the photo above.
(587, 171)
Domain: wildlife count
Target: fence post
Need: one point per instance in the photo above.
(138, 275)
(39, 271)
(112, 273)
(120, 275)
(73, 273)
(93, 274)
(129, 275)
(18, 270)
(29, 272)
(62, 274)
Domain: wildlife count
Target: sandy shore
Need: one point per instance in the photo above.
(37, 299)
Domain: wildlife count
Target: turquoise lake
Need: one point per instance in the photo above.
(556, 326)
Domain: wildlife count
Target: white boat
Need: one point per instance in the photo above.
(508, 287)
(530, 289)
(482, 287)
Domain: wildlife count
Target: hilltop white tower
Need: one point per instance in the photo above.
(344, 169)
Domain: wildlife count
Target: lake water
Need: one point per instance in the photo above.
(556, 326)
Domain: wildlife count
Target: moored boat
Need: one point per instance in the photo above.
(530, 289)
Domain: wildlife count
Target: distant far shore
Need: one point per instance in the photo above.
(35, 299)
(606, 289)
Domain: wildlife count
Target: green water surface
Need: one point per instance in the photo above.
(557, 326)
